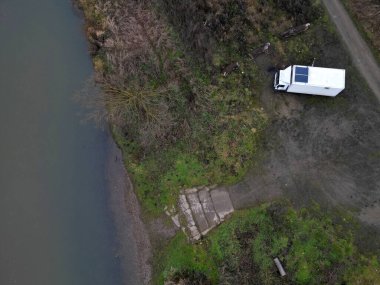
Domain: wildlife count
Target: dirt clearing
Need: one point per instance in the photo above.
(320, 149)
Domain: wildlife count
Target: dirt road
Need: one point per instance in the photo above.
(358, 48)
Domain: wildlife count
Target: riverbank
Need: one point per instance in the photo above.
(307, 138)
(180, 123)
(134, 256)
(133, 249)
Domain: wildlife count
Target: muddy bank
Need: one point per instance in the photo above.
(134, 249)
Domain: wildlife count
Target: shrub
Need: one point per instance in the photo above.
(303, 11)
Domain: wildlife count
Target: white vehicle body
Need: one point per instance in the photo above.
(310, 80)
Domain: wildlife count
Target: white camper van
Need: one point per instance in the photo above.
(310, 80)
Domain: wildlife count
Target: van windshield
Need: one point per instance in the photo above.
(277, 78)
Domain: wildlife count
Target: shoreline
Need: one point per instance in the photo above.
(134, 259)
(125, 207)
(135, 249)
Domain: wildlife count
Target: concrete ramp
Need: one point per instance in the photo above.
(198, 213)
(222, 202)
(201, 209)
(208, 208)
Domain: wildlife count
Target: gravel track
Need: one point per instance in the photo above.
(360, 52)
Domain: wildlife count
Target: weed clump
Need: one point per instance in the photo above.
(172, 109)
(311, 247)
(303, 11)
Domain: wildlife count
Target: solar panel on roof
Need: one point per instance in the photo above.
(302, 74)
(302, 70)
(301, 78)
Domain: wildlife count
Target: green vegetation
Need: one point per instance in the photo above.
(178, 119)
(184, 259)
(312, 248)
(185, 114)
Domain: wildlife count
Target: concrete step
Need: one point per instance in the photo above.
(208, 208)
(197, 211)
(222, 202)
(200, 210)
(187, 214)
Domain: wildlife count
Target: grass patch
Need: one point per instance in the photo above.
(312, 248)
(178, 120)
(207, 159)
(182, 258)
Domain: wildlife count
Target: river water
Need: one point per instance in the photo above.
(56, 227)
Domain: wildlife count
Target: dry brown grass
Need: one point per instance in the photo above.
(133, 51)
(367, 12)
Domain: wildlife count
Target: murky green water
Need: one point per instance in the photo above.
(55, 226)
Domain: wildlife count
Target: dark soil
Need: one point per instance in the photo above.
(321, 149)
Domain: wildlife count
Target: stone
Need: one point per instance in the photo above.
(191, 190)
(183, 203)
(175, 220)
(189, 218)
(197, 210)
(172, 210)
(222, 202)
(208, 208)
(194, 233)
(202, 209)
